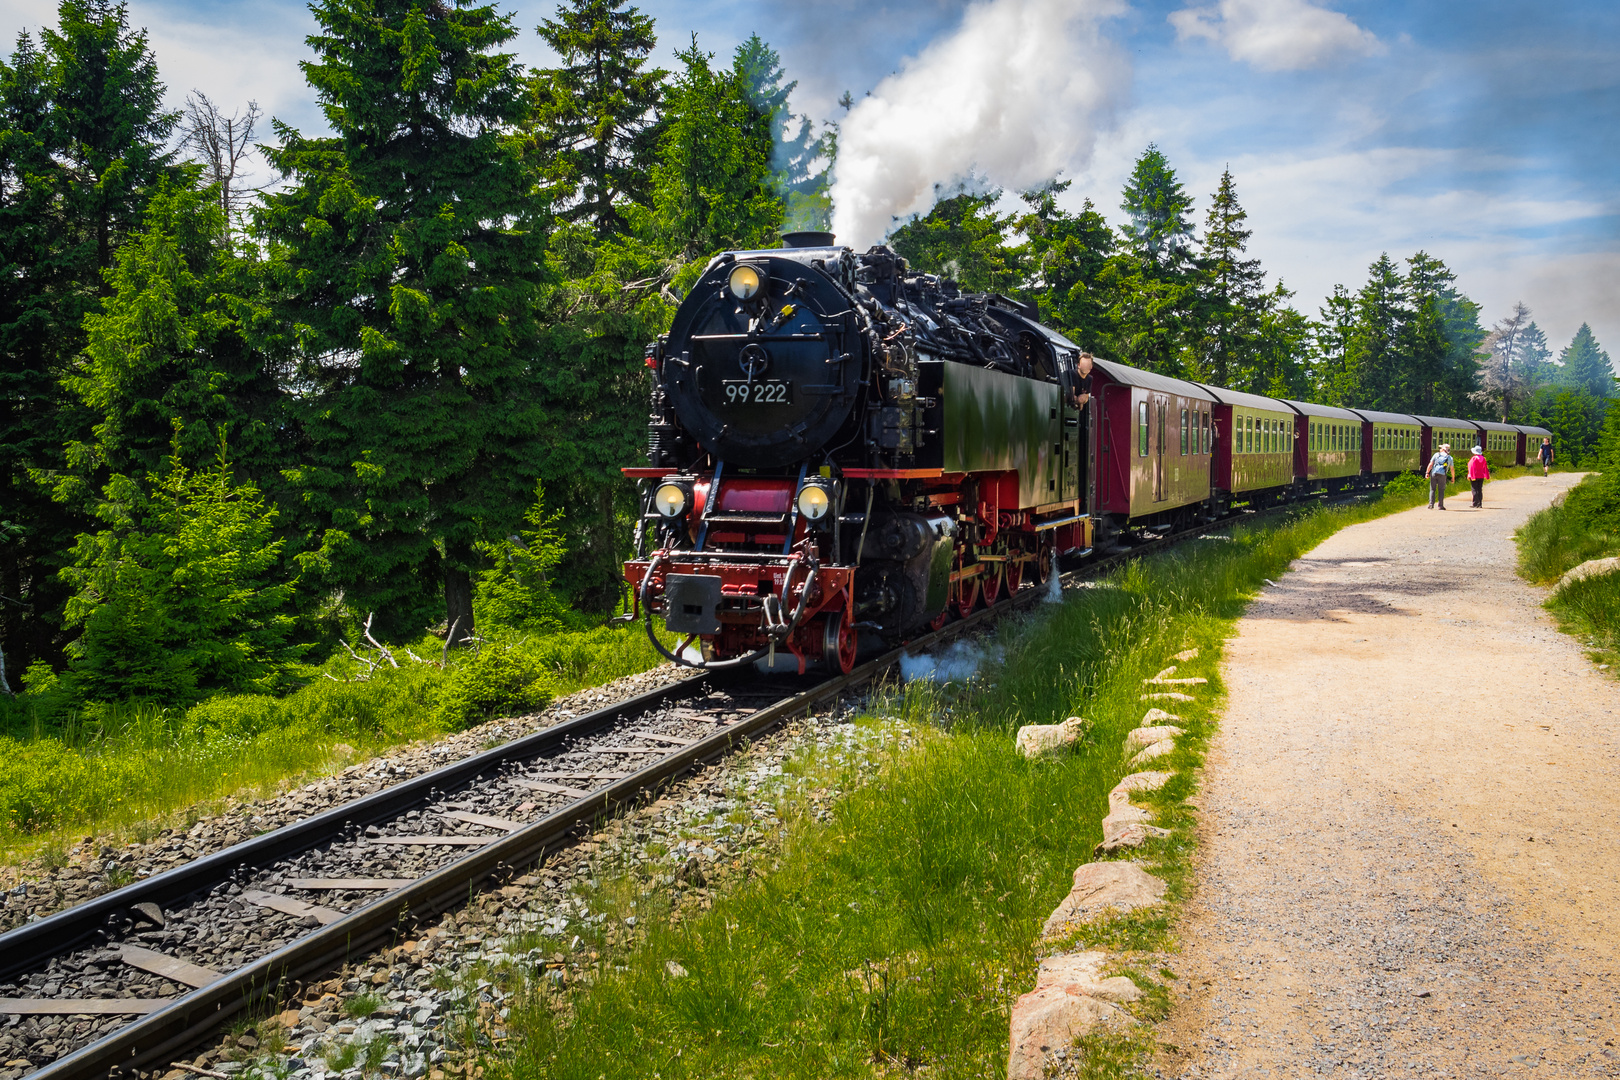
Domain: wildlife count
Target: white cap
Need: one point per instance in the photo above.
(1477, 450)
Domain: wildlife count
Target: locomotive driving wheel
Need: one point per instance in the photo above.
(840, 643)
(965, 591)
(1014, 577)
(994, 582)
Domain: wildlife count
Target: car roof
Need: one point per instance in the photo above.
(1332, 412)
(1151, 380)
(1375, 417)
(1248, 401)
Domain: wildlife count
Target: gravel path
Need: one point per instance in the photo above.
(1410, 860)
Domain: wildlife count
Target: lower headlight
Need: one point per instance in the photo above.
(670, 500)
(814, 501)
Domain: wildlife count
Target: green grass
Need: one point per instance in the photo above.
(123, 768)
(896, 934)
(1583, 525)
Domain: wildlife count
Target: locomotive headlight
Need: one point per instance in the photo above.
(670, 499)
(745, 281)
(814, 501)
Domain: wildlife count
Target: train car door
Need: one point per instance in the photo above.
(1163, 406)
(1073, 461)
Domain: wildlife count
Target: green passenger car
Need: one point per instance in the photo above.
(1332, 443)
(1393, 442)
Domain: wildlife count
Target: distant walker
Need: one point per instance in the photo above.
(1479, 471)
(1441, 471)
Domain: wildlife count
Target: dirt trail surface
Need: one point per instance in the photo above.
(1411, 831)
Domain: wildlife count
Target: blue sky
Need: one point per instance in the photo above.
(1484, 132)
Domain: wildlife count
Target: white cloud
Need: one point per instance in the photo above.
(1016, 94)
(1277, 35)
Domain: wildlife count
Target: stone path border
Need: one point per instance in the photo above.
(1071, 999)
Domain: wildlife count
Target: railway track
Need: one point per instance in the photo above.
(152, 968)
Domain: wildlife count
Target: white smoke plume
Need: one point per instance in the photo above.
(1054, 585)
(959, 662)
(1016, 94)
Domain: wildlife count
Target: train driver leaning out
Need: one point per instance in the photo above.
(1082, 387)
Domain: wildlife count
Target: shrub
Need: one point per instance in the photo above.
(516, 590)
(176, 594)
(497, 679)
(1405, 483)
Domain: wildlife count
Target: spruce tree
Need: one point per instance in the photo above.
(177, 595)
(964, 239)
(1586, 366)
(1064, 255)
(1330, 348)
(82, 142)
(594, 118)
(711, 187)
(800, 176)
(1281, 345)
(407, 265)
(1152, 286)
(1535, 356)
(168, 346)
(1374, 349)
(1443, 372)
(108, 105)
(1234, 291)
(1160, 229)
(34, 288)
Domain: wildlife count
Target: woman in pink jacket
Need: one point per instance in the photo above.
(1479, 471)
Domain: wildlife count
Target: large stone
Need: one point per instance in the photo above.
(1199, 681)
(1151, 753)
(1157, 716)
(1127, 827)
(1101, 887)
(1168, 695)
(1084, 970)
(1069, 1001)
(1142, 781)
(1590, 568)
(1141, 737)
(1036, 739)
(1187, 654)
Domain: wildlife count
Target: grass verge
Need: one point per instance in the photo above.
(124, 768)
(1583, 525)
(894, 934)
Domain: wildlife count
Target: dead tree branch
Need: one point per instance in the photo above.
(386, 655)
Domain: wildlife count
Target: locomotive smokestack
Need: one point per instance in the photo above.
(807, 239)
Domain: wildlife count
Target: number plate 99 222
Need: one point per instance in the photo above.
(761, 392)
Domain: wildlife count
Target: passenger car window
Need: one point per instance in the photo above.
(1142, 430)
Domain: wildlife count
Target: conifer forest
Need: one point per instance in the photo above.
(377, 401)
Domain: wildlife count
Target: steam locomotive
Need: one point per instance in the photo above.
(840, 447)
